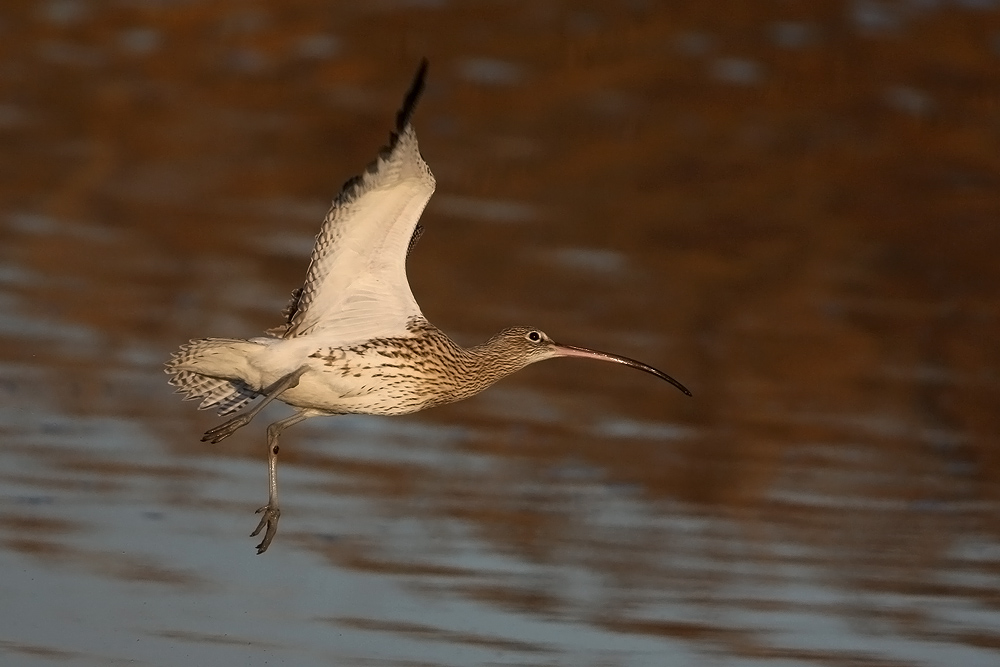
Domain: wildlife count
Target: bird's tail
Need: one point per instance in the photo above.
(207, 369)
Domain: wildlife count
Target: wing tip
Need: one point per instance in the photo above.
(353, 185)
(412, 96)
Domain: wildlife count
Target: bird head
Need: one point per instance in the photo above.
(527, 345)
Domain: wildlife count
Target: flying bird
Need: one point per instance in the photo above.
(354, 340)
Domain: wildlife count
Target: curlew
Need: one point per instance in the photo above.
(354, 340)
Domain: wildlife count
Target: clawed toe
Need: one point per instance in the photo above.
(270, 520)
(223, 431)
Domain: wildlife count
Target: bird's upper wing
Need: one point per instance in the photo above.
(356, 286)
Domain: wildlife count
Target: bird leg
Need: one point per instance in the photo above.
(271, 512)
(226, 429)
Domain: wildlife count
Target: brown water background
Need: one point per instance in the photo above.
(792, 207)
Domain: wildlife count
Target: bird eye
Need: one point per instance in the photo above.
(534, 336)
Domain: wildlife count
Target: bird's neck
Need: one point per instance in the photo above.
(492, 360)
(467, 371)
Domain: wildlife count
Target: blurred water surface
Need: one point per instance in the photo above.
(792, 208)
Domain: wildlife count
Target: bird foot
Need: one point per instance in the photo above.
(270, 519)
(226, 429)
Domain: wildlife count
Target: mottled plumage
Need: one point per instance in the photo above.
(353, 339)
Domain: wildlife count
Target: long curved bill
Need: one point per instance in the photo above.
(584, 353)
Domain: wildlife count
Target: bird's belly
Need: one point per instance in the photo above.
(341, 389)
